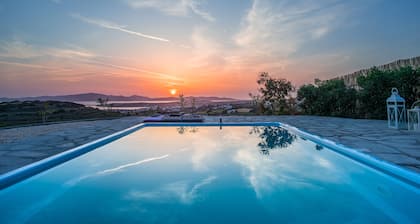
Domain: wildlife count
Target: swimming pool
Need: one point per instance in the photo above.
(206, 173)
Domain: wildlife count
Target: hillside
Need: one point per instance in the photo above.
(33, 112)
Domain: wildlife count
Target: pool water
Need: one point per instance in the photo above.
(202, 174)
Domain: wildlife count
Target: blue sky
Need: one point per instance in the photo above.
(208, 47)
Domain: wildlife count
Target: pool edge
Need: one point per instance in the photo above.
(10, 178)
(386, 167)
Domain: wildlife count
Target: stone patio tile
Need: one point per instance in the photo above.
(27, 154)
(15, 162)
(67, 145)
(398, 159)
(378, 148)
(20, 147)
(411, 152)
(3, 152)
(413, 168)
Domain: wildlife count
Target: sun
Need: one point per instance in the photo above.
(172, 91)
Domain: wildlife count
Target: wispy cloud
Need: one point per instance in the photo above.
(36, 66)
(281, 28)
(122, 167)
(195, 7)
(179, 190)
(114, 26)
(175, 8)
(19, 49)
(58, 60)
(270, 32)
(154, 75)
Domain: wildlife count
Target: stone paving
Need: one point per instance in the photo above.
(25, 145)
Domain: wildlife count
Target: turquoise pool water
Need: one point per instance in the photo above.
(203, 174)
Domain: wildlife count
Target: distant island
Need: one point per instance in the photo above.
(96, 96)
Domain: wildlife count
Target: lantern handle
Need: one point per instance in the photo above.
(414, 104)
(394, 91)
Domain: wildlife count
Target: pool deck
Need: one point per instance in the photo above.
(24, 145)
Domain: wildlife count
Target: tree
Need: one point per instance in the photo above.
(275, 93)
(308, 95)
(183, 129)
(328, 98)
(408, 84)
(45, 112)
(257, 103)
(192, 104)
(182, 101)
(272, 138)
(333, 98)
(102, 102)
(376, 88)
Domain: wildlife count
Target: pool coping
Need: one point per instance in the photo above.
(15, 176)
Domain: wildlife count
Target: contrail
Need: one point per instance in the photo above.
(113, 26)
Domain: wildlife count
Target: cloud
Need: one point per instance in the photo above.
(207, 53)
(280, 29)
(18, 49)
(122, 167)
(174, 8)
(32, 66)
(70, 53)
(114, 26)
(271, 37)
(77, 180)
(151, 74)
(18, 53)
(179, 190)
(266, 175)
(22, 50)
(195, 7)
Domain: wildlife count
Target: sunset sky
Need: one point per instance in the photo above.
(206, 48)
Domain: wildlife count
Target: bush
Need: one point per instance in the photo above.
(376, 88)
(333, 98)
(328, 98)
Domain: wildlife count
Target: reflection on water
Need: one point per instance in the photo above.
(319, 147)
(183, 129)
(179, 191)
(121, 167)
(272, 137)
(207, 175)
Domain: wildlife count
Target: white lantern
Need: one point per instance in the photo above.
(414, 117)
(396, 110)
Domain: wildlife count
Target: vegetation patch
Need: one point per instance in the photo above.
(334, 98)
(36, 112)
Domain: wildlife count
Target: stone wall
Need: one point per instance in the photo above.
(351, 79)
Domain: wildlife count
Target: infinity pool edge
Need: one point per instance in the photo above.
(15, 176)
